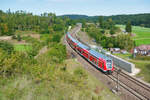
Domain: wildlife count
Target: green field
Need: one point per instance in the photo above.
(22, 47)
(142, 35)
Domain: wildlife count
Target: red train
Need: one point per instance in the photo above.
(97, 59)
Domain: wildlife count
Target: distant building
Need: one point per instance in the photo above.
(115, 50)
(142, 50)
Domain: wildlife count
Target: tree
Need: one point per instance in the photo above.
(6, 46)
(112, 31)
(128, 27)
(101, 22)
(18, 37)
(110, 45)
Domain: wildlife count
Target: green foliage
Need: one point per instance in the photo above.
(101, 23)
(18, 37)
(58, 53)
(110, 45)
(47, 23)
(56, 38)
(141, 34)
(112, 31)
(128, 27)
(35, 44)
(11, 64)
(22, 47)
(121, 41)
(136, 19)
(6, 46)
(80, 73)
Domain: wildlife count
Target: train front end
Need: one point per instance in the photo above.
(110, 66)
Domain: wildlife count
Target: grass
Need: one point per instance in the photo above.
(142, 34)
(22, 47)
(143, 65)
(26, 88)
(25, 32)
(98, 88)
(44, 37)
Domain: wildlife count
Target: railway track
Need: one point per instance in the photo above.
(137, 88)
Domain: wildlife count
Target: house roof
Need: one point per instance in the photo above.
(143, 47)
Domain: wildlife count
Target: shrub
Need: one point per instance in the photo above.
(18, 37)
(80, 73)
(8, 47)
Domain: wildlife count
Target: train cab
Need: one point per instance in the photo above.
(102, 61)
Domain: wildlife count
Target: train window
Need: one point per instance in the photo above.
(109, 64)
(108, 61)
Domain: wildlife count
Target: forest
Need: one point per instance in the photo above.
(136, 19)
(44, 23)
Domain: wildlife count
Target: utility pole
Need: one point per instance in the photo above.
(118, 72)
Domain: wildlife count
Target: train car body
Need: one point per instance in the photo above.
(99, 60)
(72, 42)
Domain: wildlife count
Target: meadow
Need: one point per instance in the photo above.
(142, 34)
(22, 47)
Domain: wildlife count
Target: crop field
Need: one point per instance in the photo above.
(21, 47)
(142, 35)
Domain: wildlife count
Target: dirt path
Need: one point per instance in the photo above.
(43, 50)
(5, 38)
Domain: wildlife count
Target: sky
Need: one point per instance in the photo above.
(84, 7)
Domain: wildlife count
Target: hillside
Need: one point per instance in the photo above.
(136, 19)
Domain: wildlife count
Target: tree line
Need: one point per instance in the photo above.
(135, 19)
(21, 20)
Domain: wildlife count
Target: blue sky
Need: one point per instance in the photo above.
(87, 7)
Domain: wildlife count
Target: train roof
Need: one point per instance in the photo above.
(83, 46)
(98, 54)
(75, 41)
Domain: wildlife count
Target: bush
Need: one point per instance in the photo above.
(58, 53)
(8, 47)
(80, 73)
(56, 38)
(18, 37)
(11, 64)
(112, 31)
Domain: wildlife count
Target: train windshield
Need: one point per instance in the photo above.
(109, 64)
(108, 61)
